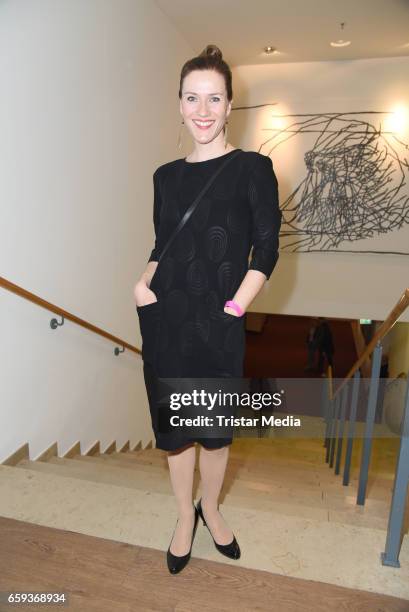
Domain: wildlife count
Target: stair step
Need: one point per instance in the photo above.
(332, 485)
(103, 510)
(383, 457)
(102, 473)
(266, 456)
(270, 458)
(377, 463)
(131, 464)
(290, 515)
(266, 470)
(376, 488)
(353, 515)
(160, 483)
(278, 470)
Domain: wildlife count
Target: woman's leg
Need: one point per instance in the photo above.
(212, 465)
(181, 468)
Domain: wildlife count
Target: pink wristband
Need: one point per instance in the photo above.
(235, 307)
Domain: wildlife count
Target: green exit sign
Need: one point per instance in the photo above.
(365, 321)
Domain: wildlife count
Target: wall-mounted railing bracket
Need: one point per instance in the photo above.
(54, 323)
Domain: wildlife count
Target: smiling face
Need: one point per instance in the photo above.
(204, 105)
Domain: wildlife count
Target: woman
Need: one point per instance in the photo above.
(187, 330)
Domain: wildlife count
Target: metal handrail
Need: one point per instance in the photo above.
(6, 284)
(386, 326)
(339, 411)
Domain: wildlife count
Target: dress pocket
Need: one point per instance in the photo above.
(229, 331)
(149, 324)
(227, 316)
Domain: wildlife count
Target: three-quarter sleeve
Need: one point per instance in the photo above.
(266, 215)
(157, 204)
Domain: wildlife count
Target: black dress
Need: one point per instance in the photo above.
(186, 333)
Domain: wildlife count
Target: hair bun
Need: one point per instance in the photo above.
(212, 51)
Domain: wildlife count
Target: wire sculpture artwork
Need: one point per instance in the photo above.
(354, 187)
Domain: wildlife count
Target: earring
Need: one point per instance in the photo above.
(180, 134)
(225, 134)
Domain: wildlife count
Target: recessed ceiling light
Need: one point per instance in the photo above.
(270, 50)
(340, 42)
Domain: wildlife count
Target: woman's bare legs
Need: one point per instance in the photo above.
(181, 468)
(212, 465)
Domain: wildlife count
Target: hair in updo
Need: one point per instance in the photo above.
(211, 58)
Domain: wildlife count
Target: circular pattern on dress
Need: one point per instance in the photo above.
(176, 306)
(196, 277)
(262, 221)
(184, 245)
(216, 241)
(227, 279)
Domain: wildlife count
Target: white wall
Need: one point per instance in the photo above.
(326, 284)
(88, 110)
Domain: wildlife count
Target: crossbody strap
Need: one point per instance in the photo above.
(192, 207)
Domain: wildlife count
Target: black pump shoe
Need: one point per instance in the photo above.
(176, 564)
(231, 550)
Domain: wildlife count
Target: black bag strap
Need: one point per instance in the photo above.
(193, 206)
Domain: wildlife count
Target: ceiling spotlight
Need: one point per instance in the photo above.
(270, 50)
(340, 42)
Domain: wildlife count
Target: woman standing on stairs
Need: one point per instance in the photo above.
(188, 329)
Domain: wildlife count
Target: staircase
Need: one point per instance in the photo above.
(290, 513)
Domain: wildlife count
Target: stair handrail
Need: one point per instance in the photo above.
(386, 326)
(338, 411)
(32, 297)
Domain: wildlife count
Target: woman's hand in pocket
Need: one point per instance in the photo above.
(230, 311)
(144, 295)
